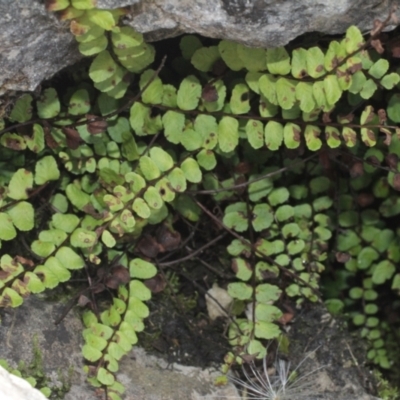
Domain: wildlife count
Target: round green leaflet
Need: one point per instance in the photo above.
(267, 312)
(390, 80)
(191, 170)
(188, 45)
(278, 196)
(191, 140)
(228, 134)
(46, 170)
(102, 67)
(108, 239)
(165, 190)
(83, 238)
(204, 58)
(229, 53)
(79, 102)
(311, 135)
(22, 215)
(255, 133)
(149, 168)
(161, 158)
(153, 198)
(153, 94)
(240, 103)
(189, 93)
(286, 93)
(22, 110)
(383, 271)
(253, 59)
(7, 231)
(278, 61)
(20, 183)
(48, 105)
(236, 220)
(273, 135)
(240, 290)
(315, 62)
(292, 135)
(266, 293)
(177, 180)
(262, 217)
(267, 84)
(55, 266)
(141, 208)
(206, 159)
(354, 40)
(299, 63)
(141, 269)
(126, 37)
(379, 68)
(266, 330)
(69, 259)
(242, 269)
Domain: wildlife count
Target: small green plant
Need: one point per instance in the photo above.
(295, 148)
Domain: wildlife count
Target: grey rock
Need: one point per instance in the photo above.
(104, 4)
(147, 377)
(34, 44)
(258, 23)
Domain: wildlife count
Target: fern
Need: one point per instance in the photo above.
(270, 136)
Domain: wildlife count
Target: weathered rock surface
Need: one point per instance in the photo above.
(34, 45)
(260, 23)
(147, 377)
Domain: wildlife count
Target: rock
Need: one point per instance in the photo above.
(14, 388)
(35, 44)
(254, 23)
(147, 377)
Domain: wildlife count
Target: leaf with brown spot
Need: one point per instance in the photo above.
(368, 137)
(285, 318)
(377, 45)
(342, 257)
(167, 238)
(388, 136)
(156, 284)
(357, 169)
(119, 275)
(382, 116)
(373, 160)
(72, 137)
(209, 93)
(78, 29)
(219, 67)
(326, 117)
(345, 119)
(24, 261)
(148, 246)
(96, 125)
(391, 161)
(243, 168)
(365, 199)
(48, 137)
(396, 182)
